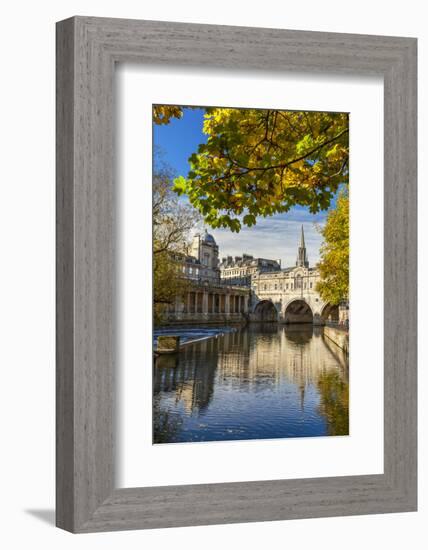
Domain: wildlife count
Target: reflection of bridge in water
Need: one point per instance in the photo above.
(296, 353)
(268, 371)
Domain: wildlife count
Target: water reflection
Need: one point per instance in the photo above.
(262, 382)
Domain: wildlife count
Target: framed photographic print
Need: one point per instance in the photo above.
(253, 364)
(236, 274)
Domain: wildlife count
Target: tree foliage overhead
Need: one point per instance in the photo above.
(262, 162)
(162, 114)
(334, 263)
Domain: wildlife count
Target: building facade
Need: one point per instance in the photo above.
(240, 269)
(290, 295)
(205, 250)
(208, 299)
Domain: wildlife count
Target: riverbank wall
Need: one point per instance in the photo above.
(338, 336)
(196, 320)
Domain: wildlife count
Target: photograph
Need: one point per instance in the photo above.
(250, 274)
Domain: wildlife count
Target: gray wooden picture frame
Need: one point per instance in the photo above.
(87, 50)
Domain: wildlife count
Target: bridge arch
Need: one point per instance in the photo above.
(265, 312)
(298, 311)
(330, 313)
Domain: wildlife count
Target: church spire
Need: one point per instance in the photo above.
(302, 259)
(302, 239)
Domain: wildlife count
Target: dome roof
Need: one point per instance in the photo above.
(208, 238)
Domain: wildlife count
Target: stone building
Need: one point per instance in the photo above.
(189, 266)
(240, 269)
(205, 250)
(211, 303)
(208, 299)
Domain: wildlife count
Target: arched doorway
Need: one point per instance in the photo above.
(265, 312)
(298, 311)
(330, 314)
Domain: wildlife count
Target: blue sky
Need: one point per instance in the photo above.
(275, 237)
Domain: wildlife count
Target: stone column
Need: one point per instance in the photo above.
(205, 302)
(227, 304)
(192, 308)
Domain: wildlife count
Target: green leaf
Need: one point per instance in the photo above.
(249, 219)
(179, 185)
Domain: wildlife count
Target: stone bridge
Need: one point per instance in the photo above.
(290, 295)
(307, 308)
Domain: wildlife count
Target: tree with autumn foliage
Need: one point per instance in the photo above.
(334, 264)
(172, 222)
(259, 162)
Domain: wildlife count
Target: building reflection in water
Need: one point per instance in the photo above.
(264, 381)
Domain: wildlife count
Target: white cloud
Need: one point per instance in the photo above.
(276, 237)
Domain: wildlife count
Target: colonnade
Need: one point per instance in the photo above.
(209, 302)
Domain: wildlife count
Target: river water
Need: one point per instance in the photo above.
(261, 382)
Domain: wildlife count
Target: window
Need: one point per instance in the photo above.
(264, 287)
